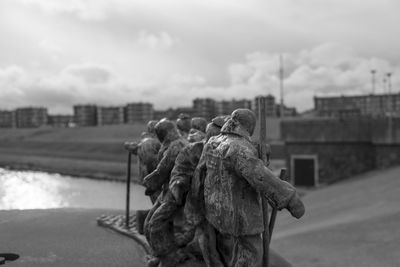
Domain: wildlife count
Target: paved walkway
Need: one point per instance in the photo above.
(352, 223)
(65, 237)
(68, 237)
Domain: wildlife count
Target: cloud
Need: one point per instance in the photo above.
(11, 81)
(188, 79)
(90, 83)
(50, 47)
(156, 41)
(84, 9)
(326, 69)
(90, 73)
(86, 83)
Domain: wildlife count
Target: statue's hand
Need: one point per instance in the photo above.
(131, 146)
(151, 182)
(296, 207)
(147, 182)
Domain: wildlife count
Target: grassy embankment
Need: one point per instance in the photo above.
(95, 152)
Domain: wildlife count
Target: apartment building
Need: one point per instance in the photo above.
(110, 115)
(349, 106)
(85, 115)
(139, 112)
(30, 117)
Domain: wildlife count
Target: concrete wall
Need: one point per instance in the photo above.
(326, 130)
(387, 155)
(385, 131)
(336, 161)
(344, 147)
(273, 128)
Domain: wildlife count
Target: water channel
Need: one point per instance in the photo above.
(40, 190)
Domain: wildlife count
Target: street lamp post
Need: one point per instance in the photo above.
(373, 72)
(390, 105)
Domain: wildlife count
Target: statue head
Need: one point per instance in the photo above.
(199, 123)
(183, 122)
(242, 122)
(220, 120)
(214, 127)
(166, 130)
(150, 126)
(195, 135)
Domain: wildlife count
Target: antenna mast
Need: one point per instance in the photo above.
(389, 75)
(373, 80)
(282, 110)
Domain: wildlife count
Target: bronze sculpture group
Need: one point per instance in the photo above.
(206, 182)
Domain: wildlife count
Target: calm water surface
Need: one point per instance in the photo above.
(40, 190)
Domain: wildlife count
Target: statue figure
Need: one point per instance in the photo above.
(170, 212)
(235, 180)
(185, 166)
(159, 233)
(184, 124)
(194, 234)
(147, 152)
(197, 130)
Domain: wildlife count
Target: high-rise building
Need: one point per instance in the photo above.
(226, 107)
(110, 115)
(30, 117)
(273, 109)
(7, 119)
(205, 107)
(85, 115)
(139, 112)
(350, 106)
(270, 105)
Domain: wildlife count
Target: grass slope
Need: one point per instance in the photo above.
(85, 151)
(107, 133)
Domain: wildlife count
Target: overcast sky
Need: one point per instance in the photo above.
(57, 53)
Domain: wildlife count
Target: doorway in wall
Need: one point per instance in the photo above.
(304, 170)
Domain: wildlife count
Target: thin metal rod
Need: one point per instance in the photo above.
(128, 190)
(274, 212)
(373, 80)
(281, 73)
(263, 156)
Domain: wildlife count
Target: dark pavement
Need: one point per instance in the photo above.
(65, 237)
(68, 237)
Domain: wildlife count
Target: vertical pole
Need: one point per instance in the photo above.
(390, 106)
(384, 85)
(263, 156)
(373, 80)
(389, 86)
(282, 109)
(128, 190)
(274, 212)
